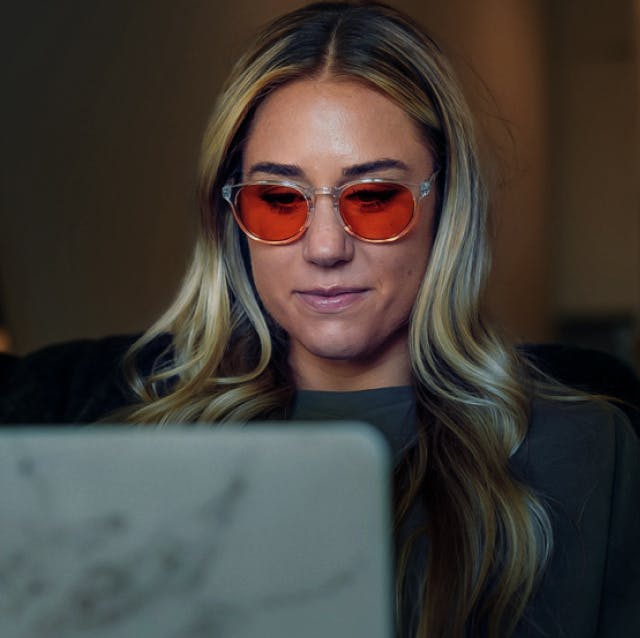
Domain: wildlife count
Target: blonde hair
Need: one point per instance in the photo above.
(489, 536)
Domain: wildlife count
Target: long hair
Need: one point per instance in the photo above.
(488, 535)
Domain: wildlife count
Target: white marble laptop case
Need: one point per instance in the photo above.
(194, 533)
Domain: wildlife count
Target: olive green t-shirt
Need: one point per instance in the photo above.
(390, 410)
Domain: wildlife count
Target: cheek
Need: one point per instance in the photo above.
(269, 271)
(257, 271)
(411, 261)
(408, 274)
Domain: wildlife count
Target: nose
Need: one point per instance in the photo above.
(325, 243)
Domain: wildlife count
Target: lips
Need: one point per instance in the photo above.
(332, 299)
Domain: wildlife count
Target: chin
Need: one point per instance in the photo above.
(343, 348)
(337, 352)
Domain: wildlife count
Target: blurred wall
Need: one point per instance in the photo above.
(595, 164)
(105, 103)
(595, 158)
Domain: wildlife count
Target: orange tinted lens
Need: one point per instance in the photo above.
(271, 212)
(377, 210)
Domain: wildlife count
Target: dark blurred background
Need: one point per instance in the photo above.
(104, 103)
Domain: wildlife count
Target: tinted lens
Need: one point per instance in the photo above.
(271, 212)
(377, 210)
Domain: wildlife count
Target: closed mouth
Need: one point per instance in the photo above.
(332, 299)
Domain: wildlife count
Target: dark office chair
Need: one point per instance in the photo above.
(592, 371)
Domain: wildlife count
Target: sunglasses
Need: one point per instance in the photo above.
(279, 212)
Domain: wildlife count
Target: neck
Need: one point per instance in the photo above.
(312, 372)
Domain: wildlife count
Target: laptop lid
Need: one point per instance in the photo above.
(195, 532)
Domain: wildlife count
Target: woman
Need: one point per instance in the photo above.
(339, 273)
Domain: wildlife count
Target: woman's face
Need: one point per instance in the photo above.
(344, 303)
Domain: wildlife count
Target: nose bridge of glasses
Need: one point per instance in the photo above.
(325, 191)
(331, 191)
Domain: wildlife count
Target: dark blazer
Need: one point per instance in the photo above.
(584, 461)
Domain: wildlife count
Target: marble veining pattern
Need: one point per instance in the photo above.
(109, 573)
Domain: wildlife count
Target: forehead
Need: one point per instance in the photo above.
(343, 121)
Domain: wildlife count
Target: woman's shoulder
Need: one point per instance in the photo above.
(568, 440)
(579, 417)
(73, 382)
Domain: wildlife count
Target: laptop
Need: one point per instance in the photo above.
(195, 532)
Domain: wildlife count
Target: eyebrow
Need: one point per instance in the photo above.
(282, 170)
(357, 170)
